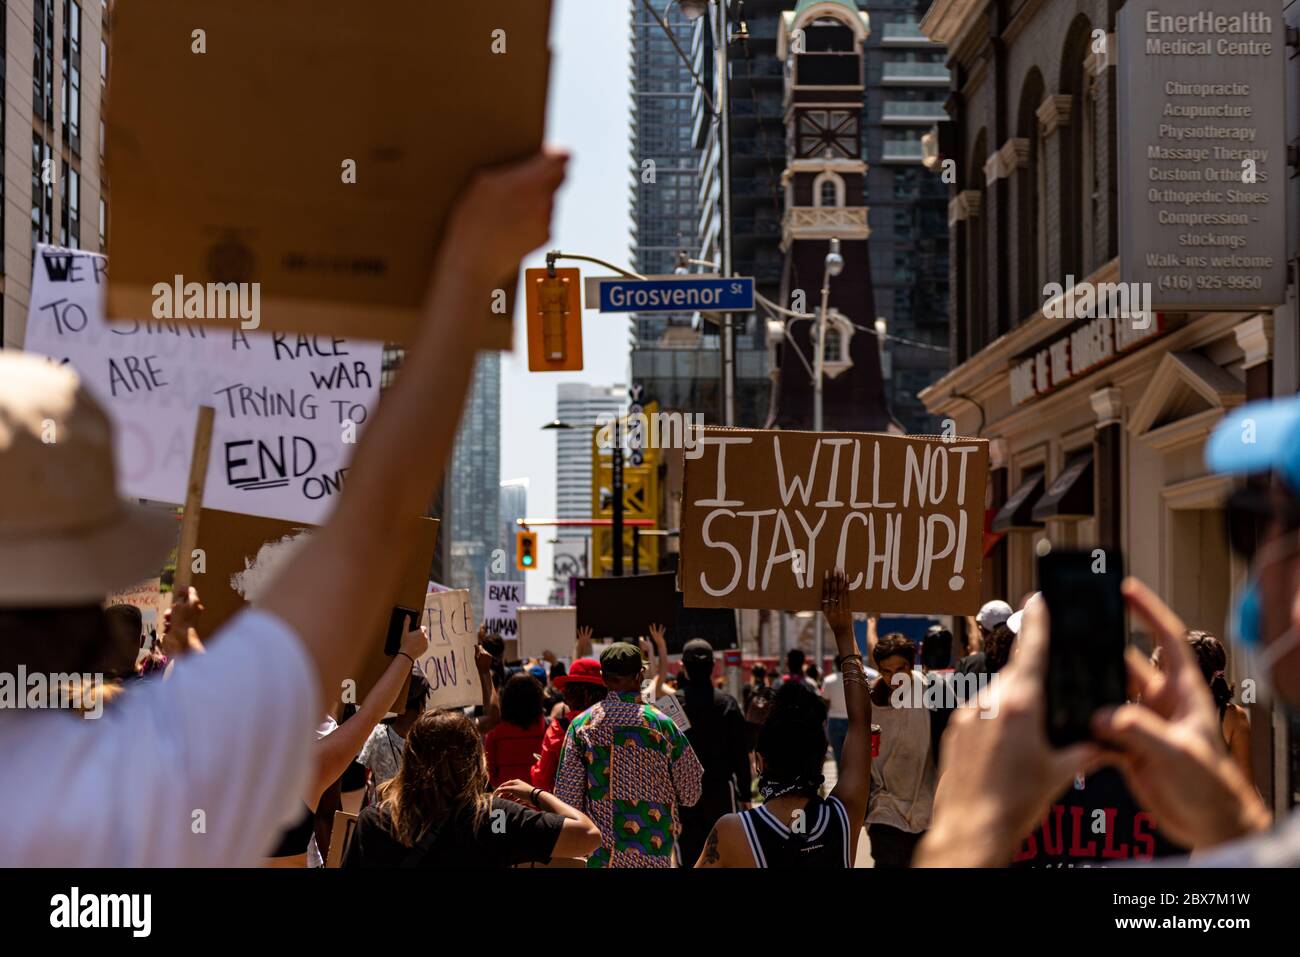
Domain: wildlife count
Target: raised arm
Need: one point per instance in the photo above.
(657, 632)
(579, 836)
(180, 625)
(855, 762)
(339, 584)
(491, 715)
(582, 646)
(335, 751)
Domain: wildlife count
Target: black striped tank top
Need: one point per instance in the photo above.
(821, 842)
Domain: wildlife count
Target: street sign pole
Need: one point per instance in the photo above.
(722, 39)
(616, 469)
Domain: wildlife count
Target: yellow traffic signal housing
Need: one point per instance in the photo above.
(554, 306)
(525, 551)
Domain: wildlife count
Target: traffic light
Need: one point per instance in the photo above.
(554, 307)
(525, 551)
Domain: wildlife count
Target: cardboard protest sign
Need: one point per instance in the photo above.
(449, 665)
(717, 626)
(340, 836)
(342, 135)
(288, 409)
(501, 601)
(551, 628)
(622, 609)
(239, 556)
(766, 513)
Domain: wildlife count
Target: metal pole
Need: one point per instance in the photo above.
(724, 109)
(636, 549)
(616, 468)
(819, 640)
(819, 358)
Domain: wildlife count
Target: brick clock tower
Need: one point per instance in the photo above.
(821, 43)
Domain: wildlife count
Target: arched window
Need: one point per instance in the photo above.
(1090, 197)
(1078, 170)
(828, 190)
(839, 330)
(834, 344)
(977, 295)
(1030, 187)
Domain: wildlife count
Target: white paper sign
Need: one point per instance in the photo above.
(449, 663)
(670, 706)
(501, 601)
(552, 628)
(281, 434)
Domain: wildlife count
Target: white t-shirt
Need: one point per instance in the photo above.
(833, 692)
(382, 753)
(205, 769)
(902, 776)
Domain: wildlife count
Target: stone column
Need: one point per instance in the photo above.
(1108, 466)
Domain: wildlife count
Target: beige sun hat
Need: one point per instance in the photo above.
(66, 538)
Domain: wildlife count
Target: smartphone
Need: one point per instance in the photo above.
(397, 628)
(1085, 669)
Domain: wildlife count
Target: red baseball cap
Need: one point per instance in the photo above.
(585, 670)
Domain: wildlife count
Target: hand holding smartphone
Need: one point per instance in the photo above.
(1086, 669)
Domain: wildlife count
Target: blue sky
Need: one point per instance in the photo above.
(588, 114)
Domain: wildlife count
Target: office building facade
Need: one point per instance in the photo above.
(906, 84)
(55, 67)
(1097, 423)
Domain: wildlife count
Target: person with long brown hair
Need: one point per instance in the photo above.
(1234, 720)
(438, 812)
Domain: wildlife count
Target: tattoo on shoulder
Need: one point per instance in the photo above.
(711, 855)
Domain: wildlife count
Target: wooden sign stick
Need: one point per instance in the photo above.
(193, 501)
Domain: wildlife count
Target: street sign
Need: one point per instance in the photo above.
(671, 294)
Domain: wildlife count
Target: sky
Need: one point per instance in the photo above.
(588, 113)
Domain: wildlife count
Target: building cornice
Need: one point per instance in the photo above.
(1002, 162)
(1053, 113)
(840, 165)
(1107, 405)
(984, 379)
(1255, 337)
(965, 205)
(947, 21)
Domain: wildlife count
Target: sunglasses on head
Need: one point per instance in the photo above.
(1250, 510)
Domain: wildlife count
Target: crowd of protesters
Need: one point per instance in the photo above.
(228, 751)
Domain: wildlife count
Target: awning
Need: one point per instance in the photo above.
(991, 538)
(1016, 513)
(1070, 494)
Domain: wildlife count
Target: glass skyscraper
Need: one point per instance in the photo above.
(474, 487)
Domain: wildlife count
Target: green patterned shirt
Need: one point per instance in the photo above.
(626, 765)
